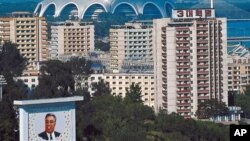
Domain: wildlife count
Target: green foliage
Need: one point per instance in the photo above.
(211, 108)
(110, 118)
(133, 94)
(11, 64)
(105, 20)
(11, 61)
(101, 88)
(58, 79)
(243, 102)
(103, 46)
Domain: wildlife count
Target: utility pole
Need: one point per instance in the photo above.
(2, 82)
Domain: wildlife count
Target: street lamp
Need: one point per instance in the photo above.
(2, 82)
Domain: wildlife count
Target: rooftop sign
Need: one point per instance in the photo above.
(193, 13)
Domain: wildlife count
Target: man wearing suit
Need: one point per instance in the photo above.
(50, 123)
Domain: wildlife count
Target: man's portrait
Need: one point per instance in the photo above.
(50, 123)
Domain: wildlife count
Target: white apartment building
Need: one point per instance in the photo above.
(190, 66)
(120, 82)
(29, 32)
(131, 48)
(71, 38)
(238, 68)
(30, 81)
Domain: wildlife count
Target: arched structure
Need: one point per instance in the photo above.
(123, 6)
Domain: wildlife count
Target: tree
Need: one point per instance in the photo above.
(56, 80)
(80, 69)
(133, 94)
(12, 64)
(242, 100)
(101, 88)
(211, 108)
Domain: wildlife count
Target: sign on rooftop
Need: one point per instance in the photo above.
(47, 119)
(193, 13)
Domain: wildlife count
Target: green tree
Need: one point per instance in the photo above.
(80, 69)
(133, 94)
(211, 108)
(242, 100)
(11, 62)
(101, 88)
(56, 80)
(11, 65)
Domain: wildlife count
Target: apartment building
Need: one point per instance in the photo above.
(238, 68)
(131, 48)
(29, 32)
(119, 82)
(190, 51)
(71, 38)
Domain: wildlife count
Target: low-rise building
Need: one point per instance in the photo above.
(120, 82)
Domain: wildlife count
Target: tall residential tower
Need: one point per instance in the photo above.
(190, 60)
(29, 32)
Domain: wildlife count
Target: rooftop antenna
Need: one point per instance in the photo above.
(212, 4)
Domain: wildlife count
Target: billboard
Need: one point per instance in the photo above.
(47, 119)
(193, 13)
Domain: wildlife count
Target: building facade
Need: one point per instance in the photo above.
(190, 60)
(120, 82)
(131, 48)
(71, 38)
(238, 68)
(29, 32)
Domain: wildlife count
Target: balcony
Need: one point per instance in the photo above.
(183, 91)
(182, 79)
(202, 47)
(202, 41)
(182, 35)
(165, 98)
(182, 54)
(203, 66)
(202, 28)
(203, 84)
(202, 35)
(165, 105)
(182, 48)
(202, 59)
(202, 53)
(183, 85)
(183, 104)
(182, 41)
(203, 91)
(183, 110)
(183, 73)
(203, 97)
(184, 98)
(202, 72)
(203, 78)
(182, 60)
(182, 66)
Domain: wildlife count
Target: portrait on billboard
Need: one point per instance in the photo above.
(50, 126)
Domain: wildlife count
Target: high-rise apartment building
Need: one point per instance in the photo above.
(71, 38)
(190, 53)
(238, 68)
(131, 48)
(29, 32)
